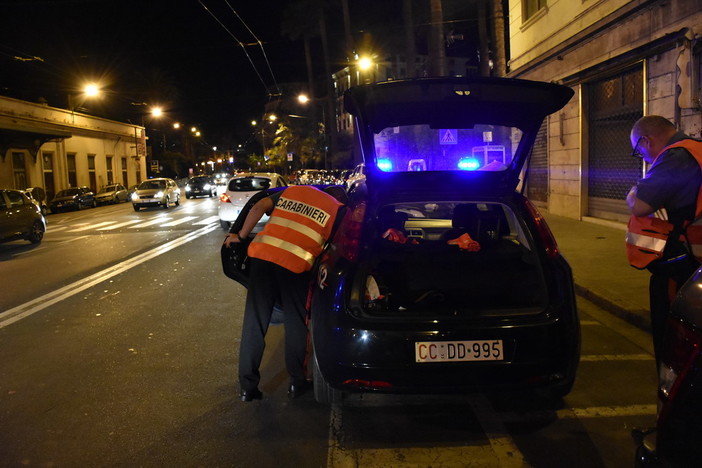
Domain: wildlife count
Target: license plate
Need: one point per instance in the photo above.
(456, 351)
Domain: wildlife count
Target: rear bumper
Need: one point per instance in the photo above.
(535, 356)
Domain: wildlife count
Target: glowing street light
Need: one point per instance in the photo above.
(365, 63)
(303, 99)
(156, 111)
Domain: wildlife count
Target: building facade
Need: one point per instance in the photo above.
(624, 59)
(42, 146)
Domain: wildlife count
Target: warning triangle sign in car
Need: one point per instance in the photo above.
(448, 136)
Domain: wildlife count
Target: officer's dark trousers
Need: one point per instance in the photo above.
(269, 283)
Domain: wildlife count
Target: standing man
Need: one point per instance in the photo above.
(282, 255)
(672, 184)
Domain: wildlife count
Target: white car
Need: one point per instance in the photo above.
(156, 192)
(242, 187)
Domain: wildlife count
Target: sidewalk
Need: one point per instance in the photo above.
(596, 253)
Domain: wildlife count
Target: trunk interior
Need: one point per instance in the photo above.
(450, 259)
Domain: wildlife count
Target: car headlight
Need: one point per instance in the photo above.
(206, 187)
(187, 188)
(135, 196)
(158, 195)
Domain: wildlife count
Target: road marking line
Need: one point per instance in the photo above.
(119, 225)
(616, 357)
(582, 413)
(209, 220)
(179, 221)
(589, 322)
(92, 226)
(507, 452)
(160, 219)
(25, 310)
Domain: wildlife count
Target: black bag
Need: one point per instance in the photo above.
(235, 262)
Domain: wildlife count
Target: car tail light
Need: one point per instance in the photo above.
(224, 198)
(681, 351)
(542, 230)
(349, 235)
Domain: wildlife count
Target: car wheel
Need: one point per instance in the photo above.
(166, 203)
(136, 207)
(187, 197)
(323, 392)
(224, 224)
(177, 202)
(94, 204)
(37, 233)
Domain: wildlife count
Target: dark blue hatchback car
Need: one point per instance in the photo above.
(442, 276)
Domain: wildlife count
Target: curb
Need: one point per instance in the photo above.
(635, 318)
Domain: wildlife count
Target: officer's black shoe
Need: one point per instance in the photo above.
(296, 389)
(250, 395)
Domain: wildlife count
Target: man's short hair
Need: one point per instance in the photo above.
(337, 192)
(653, 125)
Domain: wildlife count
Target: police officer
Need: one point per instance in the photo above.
(672, 183)
(282, 255)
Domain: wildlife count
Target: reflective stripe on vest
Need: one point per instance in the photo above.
(297, 229)
(646, 236)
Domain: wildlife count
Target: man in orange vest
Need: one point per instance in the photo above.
(672, 183)
(282, 255)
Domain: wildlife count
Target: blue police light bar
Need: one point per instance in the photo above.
(468, 164)
(385, 165)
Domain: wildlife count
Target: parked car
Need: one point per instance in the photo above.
(200, 185)
(156, 192)
(115, 193)
(74, 198)
(240, 189)
(20, 218)
(675, 439)
(442, 276)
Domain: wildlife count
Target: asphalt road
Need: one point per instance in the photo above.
(119, 340)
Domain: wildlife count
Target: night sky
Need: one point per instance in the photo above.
(173, 51)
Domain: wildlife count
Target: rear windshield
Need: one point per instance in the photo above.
(68, 192)
(421, 148)
(108, 188)
(249, 184)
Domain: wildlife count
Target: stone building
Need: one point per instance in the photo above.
(624, 59)
(42, 146)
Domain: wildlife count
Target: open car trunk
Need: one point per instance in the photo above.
(462, 260)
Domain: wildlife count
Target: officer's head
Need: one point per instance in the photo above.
(337, 192)
(650, 135)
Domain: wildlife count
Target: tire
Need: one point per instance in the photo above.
(177, 202)
(225, 224)
(136, 207)
(37, 233)
(93, 204)
(187, 197)
(166, 203)
(323, 392)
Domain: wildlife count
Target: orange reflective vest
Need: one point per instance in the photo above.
(299, 225)
(646, 236)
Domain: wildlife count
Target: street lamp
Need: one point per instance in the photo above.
(90, 90)
(305, 100)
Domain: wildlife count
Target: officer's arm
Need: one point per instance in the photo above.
(265, 205)
(637, 206)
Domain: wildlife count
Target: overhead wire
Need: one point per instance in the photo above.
(260, 44)
(241, 44)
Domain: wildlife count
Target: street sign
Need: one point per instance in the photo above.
(448, 136)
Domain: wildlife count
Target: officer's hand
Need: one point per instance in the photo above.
(231, 238)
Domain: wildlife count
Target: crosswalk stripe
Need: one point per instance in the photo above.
(119, 225)
(91, 226)
(209, 220)
(179, 221)
(151, 223)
